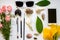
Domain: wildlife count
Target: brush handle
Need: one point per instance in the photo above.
(24, 29)
(17, 28)
(17, 24)
(21, 28)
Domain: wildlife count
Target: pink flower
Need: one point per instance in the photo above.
(7, 18)
(1, 25)
(0, 11)
(3, 8)
(9, 8)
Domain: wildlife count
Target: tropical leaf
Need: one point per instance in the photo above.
(39, 25)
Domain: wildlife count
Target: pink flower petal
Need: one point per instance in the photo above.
(3, 8)
(1, 25)
(7, 18)
(9, 8)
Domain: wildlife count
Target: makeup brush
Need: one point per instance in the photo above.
(18, 12)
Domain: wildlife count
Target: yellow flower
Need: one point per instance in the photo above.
(48, 33)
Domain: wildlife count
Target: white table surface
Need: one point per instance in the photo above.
(54, 4)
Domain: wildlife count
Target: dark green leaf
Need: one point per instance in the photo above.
(39, 25)
(43, 3)
(6, 29)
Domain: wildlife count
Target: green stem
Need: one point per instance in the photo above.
(55, 37)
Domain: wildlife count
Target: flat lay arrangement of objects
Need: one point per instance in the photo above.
(29, 20)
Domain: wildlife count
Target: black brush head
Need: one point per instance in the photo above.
(18, 12)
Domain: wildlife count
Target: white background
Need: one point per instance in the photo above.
(54, 4)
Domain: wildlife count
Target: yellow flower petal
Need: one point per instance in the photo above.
(53, 29)
(58, 29)
(46, 33)
(53, 25)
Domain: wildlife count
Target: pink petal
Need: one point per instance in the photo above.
(1, 25)
(7, 18)
(4, 8)
(9, 8)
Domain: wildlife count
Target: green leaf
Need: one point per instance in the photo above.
(6, 29)
(43, 3)
(45, 0)
(39, 25)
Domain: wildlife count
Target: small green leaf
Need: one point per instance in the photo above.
(39, 25)
(43, 3)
